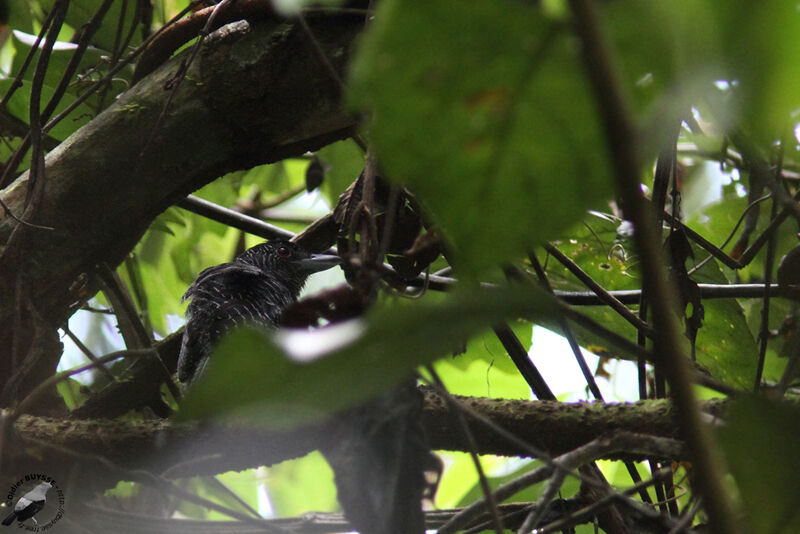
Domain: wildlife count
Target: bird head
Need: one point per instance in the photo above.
(40, 491)
(287, 261)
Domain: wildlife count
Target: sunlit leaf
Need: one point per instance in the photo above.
(300, 486)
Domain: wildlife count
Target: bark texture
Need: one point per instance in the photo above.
(255, 94)
(121, 449)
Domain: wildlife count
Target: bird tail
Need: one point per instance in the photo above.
(10, 518)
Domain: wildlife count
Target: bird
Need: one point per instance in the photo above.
(29, 504)
(252, 289)
(378, 452)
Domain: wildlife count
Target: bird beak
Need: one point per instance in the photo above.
(319, 262)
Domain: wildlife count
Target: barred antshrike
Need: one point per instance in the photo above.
(254, 288)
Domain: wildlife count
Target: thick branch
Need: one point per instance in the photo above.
(254, 95)
(191, 449)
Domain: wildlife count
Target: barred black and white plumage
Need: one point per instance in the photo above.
(254, 288)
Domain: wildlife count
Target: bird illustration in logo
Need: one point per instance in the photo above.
(29, 504)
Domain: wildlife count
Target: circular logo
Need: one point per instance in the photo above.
(33, 503)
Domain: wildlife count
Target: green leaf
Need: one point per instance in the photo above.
(720, 218)
(344, 161)
(19, 15)
(488, 348)
(725, 344)
(667, 52)
(670, 52)
(110, 32)
(481, 379)
(609, 259)
(72, 392)
(530, 494)
(779, 311)
(762, 58)
(594, 245)
(93, 65)
(761, 440)
(20, 104)
(482, 109)
(250, 375)
(302, 485)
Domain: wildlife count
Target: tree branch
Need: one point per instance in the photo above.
(103, 190)
(180, 450)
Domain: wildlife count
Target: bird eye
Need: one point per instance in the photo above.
(284, 252)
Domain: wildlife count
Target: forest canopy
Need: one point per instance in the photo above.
(568, 234)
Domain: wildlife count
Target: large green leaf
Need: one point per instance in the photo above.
(762, 58)
(669, 52)
(116, 25)
(608, 258)
(482, 109)
(19, 15)
(301, 486)
(662, 46)
(761, 440)
(487, 347)
(719, 219)
(93, 65)
(20, 103)
(343, 161)
(248, 373)
(725, 344)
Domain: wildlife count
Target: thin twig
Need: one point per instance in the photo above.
(747, 210)
(113, 72)
(17, 82)
(591, 510)
(490, 500)
(578, 353)
(599, 290)
(87, 32)
(320, 53)
(233, 218)
(87, 352)
(37, 174)
(55, 379)
(621, 137)
(566, 463)
(160, 483)
(173, 84)
(526, 368)
(542, 504)
(769, 262)
(33, 139)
